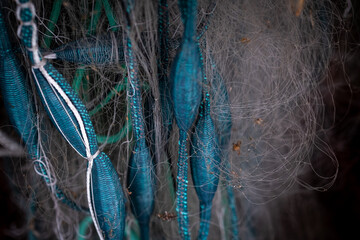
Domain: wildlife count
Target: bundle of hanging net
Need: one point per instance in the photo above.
(164, 119)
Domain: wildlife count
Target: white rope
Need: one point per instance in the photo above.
(74, 110)
(39, 64)
(89, 157)
(89, 194)
(52, 115)
(34, 38)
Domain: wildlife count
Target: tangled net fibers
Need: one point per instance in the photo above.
(163, 119)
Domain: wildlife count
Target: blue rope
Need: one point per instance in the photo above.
(20, 107)
(186, 79)
(68, 113)
(182, 186)
(141, 172)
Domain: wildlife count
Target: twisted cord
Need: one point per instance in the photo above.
(141, 179)
(186, 77)
(21, 110)
(182, 187)
(71, 118)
